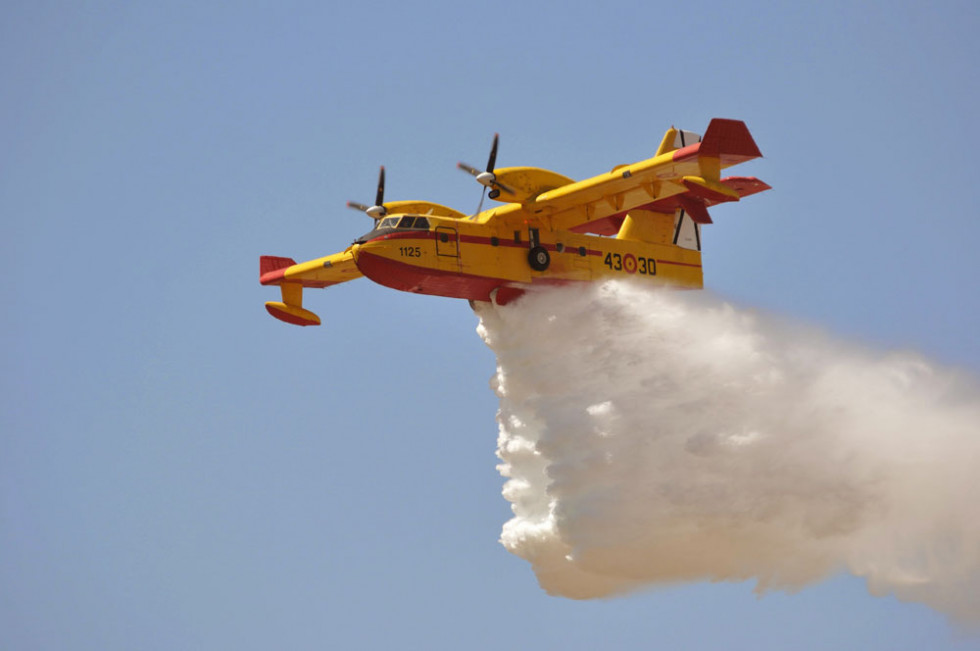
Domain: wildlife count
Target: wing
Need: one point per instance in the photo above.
(422, 208)
(520, 184)
(292, 278)
(689, 172)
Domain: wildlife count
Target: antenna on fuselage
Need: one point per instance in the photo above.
(378, 210)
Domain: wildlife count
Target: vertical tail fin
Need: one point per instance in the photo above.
(730, 141)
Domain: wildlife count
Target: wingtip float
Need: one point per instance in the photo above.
(641, 220)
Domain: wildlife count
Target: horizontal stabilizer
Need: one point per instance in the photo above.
(714, 191)
(746, 185)
(736, 187)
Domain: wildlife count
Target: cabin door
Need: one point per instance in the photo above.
(447, 242)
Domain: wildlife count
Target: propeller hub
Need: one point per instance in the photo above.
(376, 212)
(486, 178)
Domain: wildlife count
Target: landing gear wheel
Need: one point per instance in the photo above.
(538, 258)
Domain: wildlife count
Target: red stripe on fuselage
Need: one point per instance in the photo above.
(679, 264)
(479, 239)
(405, 235)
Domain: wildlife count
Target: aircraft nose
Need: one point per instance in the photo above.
(358, 247)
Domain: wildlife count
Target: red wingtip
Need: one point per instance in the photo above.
(269, 263)
(272, 268)
(292, 314)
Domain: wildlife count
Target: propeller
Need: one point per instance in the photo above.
(486, 177)
(378, 210)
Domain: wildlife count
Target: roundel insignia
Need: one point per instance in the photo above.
(629, 263)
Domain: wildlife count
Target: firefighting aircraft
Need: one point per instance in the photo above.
(639, 221)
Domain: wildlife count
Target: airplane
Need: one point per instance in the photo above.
(640, 221)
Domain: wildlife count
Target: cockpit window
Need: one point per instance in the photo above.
(415, 223)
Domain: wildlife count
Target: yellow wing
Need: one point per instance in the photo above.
(292, 278)
(520, 184)
(685, 176)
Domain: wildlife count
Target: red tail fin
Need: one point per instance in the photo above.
(730, 141)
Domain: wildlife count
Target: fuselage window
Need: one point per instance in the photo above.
(406, 222)
(388, 223)
(421, 223)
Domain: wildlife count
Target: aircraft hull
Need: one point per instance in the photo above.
(424, 280)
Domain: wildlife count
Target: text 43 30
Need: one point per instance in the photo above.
(631, 264)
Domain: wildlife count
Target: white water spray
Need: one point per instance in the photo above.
(653, 437)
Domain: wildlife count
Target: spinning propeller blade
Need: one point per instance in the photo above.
(378, 210)
(493, 153)
(468, 168)
(487, 178)
(379, 199)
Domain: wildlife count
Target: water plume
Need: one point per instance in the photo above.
(650, 437)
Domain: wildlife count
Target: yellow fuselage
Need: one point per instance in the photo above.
(470, 259)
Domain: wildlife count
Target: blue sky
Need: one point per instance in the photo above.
(179, 470)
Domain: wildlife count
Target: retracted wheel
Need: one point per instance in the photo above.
(538, 258)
